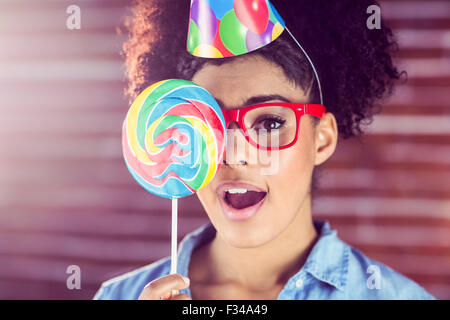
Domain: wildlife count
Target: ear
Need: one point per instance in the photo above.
(326, 137)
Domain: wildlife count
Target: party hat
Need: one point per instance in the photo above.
(227, 28)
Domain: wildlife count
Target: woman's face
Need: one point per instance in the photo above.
(256, 80)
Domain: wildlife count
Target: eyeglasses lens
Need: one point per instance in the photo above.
(271, 126)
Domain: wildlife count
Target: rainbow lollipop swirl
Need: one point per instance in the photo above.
(173, 138)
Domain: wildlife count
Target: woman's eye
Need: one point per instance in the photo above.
(269, 123)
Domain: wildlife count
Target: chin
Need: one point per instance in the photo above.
(246, 235)
(245, 242)
(254, 231)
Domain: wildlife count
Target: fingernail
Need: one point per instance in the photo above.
(186, 280)
(166, 296)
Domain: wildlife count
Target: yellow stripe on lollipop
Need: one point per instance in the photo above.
(131, 120)
(149, 145)
(210, 146)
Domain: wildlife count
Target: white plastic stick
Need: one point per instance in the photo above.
(173, 268)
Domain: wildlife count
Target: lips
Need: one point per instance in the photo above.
(239, 200)
(244, 200)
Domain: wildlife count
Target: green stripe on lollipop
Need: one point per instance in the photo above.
(203, 170)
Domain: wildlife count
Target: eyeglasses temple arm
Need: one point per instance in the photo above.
(315, 110)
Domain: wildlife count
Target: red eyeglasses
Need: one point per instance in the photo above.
(272, 126)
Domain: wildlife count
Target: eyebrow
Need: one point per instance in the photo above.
(259, 99)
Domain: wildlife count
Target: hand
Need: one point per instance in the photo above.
(165, 288)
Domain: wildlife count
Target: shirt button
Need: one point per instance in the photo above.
(299, 283)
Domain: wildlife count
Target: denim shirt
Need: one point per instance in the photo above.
(333, 270)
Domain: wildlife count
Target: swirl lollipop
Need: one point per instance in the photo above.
(173, 138)
(173, 141)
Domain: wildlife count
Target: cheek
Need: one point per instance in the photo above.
(205, 195)
(209, 200)
(295, 169)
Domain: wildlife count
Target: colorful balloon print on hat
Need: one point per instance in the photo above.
(173, 138)
(227, 28)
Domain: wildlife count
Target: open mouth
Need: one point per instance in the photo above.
(240, 201)
(242, 198)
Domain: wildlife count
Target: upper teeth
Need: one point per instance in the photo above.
(237, 190)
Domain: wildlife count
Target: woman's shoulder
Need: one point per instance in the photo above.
(371, 279)
(347, 273)
(128, 286)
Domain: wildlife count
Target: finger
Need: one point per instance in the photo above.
(161, 286)
(168, 295)
(181, 296)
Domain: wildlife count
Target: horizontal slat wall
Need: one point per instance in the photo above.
(66, 197)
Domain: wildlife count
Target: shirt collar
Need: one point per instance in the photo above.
(203, 234)
(327, 261)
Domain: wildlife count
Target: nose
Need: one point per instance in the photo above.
(236, 152)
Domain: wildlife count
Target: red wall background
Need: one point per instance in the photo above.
(66, 197)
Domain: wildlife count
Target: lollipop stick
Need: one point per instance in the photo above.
(173, 267)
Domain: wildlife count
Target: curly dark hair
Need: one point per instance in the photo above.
(354, 62)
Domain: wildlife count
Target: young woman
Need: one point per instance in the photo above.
(261, 242)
